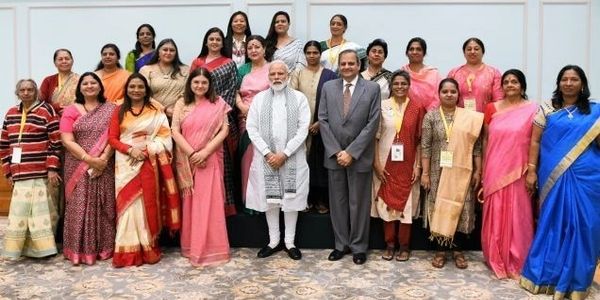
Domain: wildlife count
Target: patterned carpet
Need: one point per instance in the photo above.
(246, 277)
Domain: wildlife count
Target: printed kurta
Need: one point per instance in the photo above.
(483, 86)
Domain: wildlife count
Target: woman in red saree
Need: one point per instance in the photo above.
(147, 197)
(89, 231)
(199, 129)
(507, 229)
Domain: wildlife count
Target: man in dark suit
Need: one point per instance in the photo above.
(349, 113)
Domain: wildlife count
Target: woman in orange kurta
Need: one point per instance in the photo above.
(111, 72)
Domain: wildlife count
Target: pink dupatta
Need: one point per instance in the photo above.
(424, 86)
(509, 135)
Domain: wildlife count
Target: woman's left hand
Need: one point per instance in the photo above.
(476, 180)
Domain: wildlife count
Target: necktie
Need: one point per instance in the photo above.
(347, 98)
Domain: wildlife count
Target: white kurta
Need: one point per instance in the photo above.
(294, 149)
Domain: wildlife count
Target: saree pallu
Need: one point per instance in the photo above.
(453, 187)
(147, 197)
(224, 73)
(424, 86)
(59, 96)
(89, 228)
(204, 230)
(507, 228)
(31, 219)
(133, 64)
(114, 84)
(563, 256)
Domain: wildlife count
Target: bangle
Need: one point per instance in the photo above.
(531, 165)
(418, 167)
(425, 174)
(84, 157)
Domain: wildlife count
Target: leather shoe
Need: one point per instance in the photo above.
(337, 254)
(294, 253)
(359, 258)
(267, 251)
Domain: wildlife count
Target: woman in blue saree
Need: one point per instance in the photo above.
(563, 256)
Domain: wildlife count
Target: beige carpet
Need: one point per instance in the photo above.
(247, 277)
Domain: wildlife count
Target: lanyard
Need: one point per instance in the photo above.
(24, 119)
(447, 128)
(399, 111)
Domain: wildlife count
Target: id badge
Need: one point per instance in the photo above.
(16, 155)
(446, 159)
(470, 104)
(397, 152)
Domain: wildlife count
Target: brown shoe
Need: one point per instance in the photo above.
(459, 260)
(389, 253)
(439, 260)
(404, 255)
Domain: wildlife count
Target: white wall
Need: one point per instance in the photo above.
(536, 36)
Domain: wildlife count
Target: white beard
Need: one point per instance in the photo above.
(279, 86)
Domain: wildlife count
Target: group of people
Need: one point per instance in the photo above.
(123, 155)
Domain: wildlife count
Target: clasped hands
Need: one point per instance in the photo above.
(344, 159)
(276, 160)
(97, 165)
(136, 156)
(198, 158)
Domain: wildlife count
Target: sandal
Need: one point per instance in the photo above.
(459, 260)
(404, 255)
(439, 260)
(389, 253)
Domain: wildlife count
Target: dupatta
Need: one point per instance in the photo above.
(454, 182)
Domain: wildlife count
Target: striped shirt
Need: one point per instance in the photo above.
(40, 142)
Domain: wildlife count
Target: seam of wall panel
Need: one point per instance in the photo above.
(127, 4)
(330, 2)
(540, 49)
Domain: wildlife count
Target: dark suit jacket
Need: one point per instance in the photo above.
(356, 132)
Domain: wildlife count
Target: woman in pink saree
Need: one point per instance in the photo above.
(89, 231)
(252, 78)
(424, 80)
(507, 229)
(199, 129)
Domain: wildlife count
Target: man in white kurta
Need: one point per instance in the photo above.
(277, 125)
